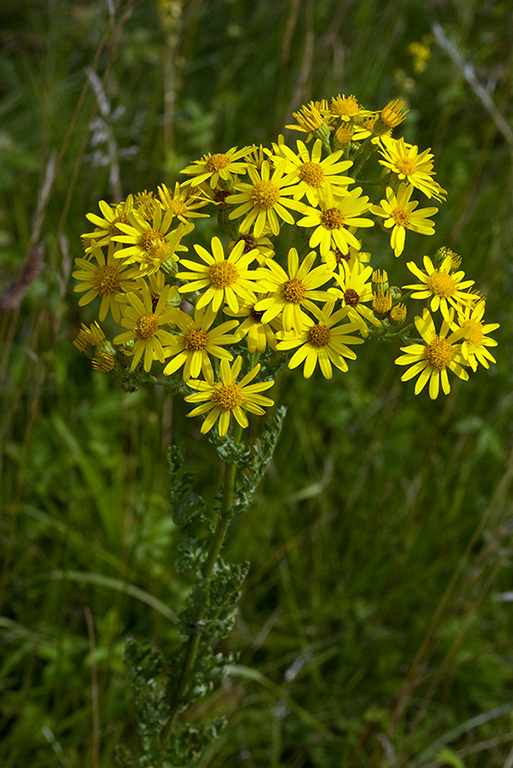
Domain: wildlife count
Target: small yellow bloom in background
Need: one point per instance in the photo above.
(144, 322)
(417, 169)
(221, 399)
(393, 113)
(145, 204)
(197, 340)
(474, 345)
(443, 288)
(106, 278)
(323, 342)
(289, 290)
(224, 279)
(400, 215)
(353, 290)
(220, 166)
(183, 201)
(431, 361)
(107, 227)
(263, 203)
(310, 120)
(310, 175)
(350, 255)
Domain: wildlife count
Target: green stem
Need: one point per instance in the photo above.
(213, 553)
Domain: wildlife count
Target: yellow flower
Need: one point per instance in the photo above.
(218, 166)
(227, 279)
(258, 334)
(288, 291)
(400, 215)
(88, 338)
(144, 322)
(474, 345)
(223, 398)
(107, 227)
(262, 203)
(393, 114)
(323, 342)
(444, 289)
(105, 278)
(350, 255)
(332, 221)
(432, 360)
(310, 175)
(197, 340)
(262, 245)
(406, 162)
(354, 289)
(183, 201)
(151, 243)
(347, 109)
(310, 120)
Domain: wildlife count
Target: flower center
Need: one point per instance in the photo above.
(476, 336)
(112, 228)
(151, 239)
(179, 208)
(294, 291)
(319, 335)
(215, 162)
(332, 219)
(439, 353)
(256, 316)
(228, 397)
(441, 284)
(264, 195)
(249, 242)
(106, 280)
(343, 135)
(220, 196)
(351, 297)
(223, 273)
(406, 165)
(312, 174)
(341, 107)
(195, 339)
(147, 326)
(401, 217)
(340, 257)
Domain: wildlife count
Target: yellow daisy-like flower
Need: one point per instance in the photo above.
(322, 342)
(258, 334)
(89, 337)
(310, 119)
(289, 290)
(431, 361)
(443, 288)
(107, 227)
(263, 246)
(350, 255)
(347, 108)
(393, 114)
(183, 201)
(400, 215)
(225, 279)
(406, 162)
(221, 165)
(332, 221)
(355, 289)
(263, 202)
(151, 243)
(474, 345)
(197, 340)
(310, 175)
(105, 278)
(144, 322)
(221, 399)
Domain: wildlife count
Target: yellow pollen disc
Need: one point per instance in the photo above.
(106, 280)
(401, 216)
(351, 297)
(476, 332)
(294, 291)
(406, 165)
(312, 174)
(179, 208)
(439, 353)
(113, 230)
(319, 335)
(343, 136)
(147, 326)
(151, 239)
(332, 219)
(381, 303)
(223, 273)
(195, 339)
(264, 195)
(340, 106)
(441, 284)
(216, 162)
(228, 397)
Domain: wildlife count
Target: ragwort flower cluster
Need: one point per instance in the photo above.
(217, 317)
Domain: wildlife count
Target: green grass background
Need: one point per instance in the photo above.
(375, 628)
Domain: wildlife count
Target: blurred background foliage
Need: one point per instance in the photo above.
(376, 622)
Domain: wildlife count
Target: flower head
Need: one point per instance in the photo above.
(221, 399)
(417, 169)
(103, 277)
(107, 227)
(220, 166)
(400, 215)
(183, 201)
(258, 334)
(353, 291)
(442, 287)
(474, 345)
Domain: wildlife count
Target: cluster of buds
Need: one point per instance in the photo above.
(221, 316)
